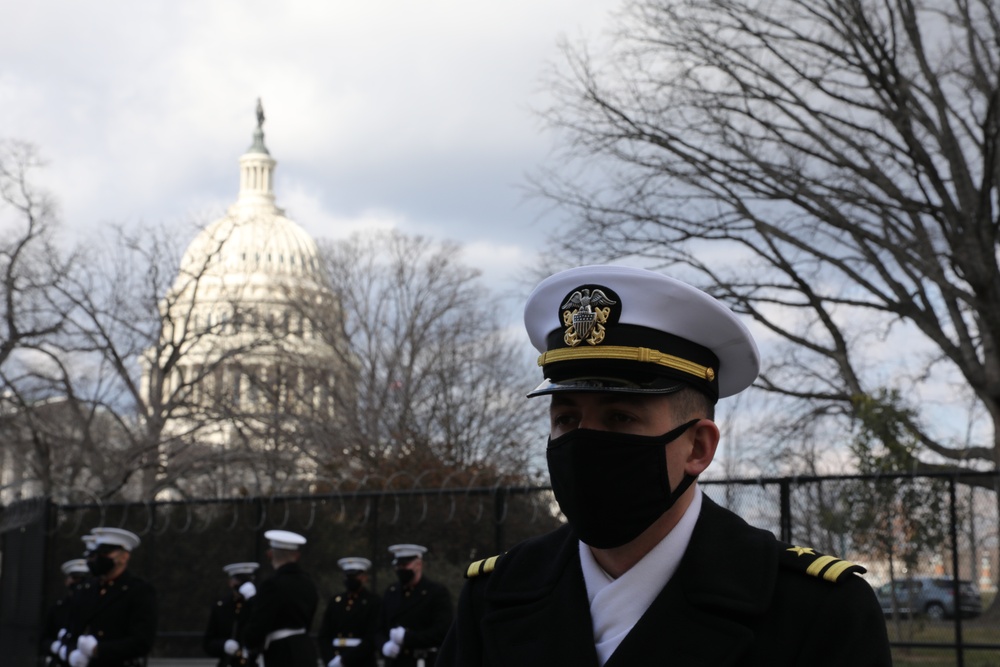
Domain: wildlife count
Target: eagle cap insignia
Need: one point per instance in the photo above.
(584, 314)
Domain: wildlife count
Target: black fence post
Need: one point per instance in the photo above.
(23, 538)
(786, 510)
(499, 518)
(377, 557)
(956, 595)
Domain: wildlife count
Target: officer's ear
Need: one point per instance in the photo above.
(704, 442)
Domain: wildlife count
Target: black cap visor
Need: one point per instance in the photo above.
(605, 385)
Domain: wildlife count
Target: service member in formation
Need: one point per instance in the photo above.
(416, 612)
(228, 617)
(347, 633)
(113, 613)
(648, 569)
(282, 607)
(57, 620)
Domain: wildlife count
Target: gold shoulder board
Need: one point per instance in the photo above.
(484, 566)
(808, 561)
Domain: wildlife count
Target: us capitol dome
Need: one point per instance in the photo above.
(253, 369)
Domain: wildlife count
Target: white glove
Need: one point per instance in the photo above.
(231, 647)
(397, 633)
(335, 662)
(62, 633)
(62, 653)
(54, 649)
(248, 590)
(78, 659)
(390, 649)
(86, 645)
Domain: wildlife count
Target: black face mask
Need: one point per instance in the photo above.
(405, 576)
(613, 486)
(352, 584)
(100, 565)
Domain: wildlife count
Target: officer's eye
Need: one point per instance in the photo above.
(563, 419)
(620, 418)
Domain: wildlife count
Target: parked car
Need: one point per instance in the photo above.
(932, 596)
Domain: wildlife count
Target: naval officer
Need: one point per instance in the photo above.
(648, 569)
(113, 614)
(228, 617)
(416, 612)
(282, 607)
(57, 620)
(347, 632)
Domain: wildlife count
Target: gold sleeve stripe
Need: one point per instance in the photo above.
(817, 565)
(484, 566)
(623, 353)
(835, 571)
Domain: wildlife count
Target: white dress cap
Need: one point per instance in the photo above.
(234, 569)
(354, 564)
(118, 537)
(401, 551)
(75, 566)
(88, 543)
(284, 539)
(618, 328)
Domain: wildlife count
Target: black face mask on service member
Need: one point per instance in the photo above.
(352, 584)
(100, 565)
(405, 576)
(612, 486)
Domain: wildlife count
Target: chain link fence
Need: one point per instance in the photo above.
(901, 527)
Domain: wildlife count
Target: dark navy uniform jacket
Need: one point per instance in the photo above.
(59, 617)
(287, 600)
(226, 621)
(426, 613)
(350, 616)
(121, 614)
(739, 597)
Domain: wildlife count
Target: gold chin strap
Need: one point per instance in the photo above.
(621, 353)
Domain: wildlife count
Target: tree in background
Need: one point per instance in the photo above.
(77, 411)
(437, 385)
(36, 424)
(830, 169)
(900, 521)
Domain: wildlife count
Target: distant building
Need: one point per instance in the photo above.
(253, 374)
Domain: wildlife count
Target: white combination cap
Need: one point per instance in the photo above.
(240, 568)
(402, 552)
(354, 564)
(88, 543)
(118, 537)
(622, 329)
(75, 566)
(284, 539)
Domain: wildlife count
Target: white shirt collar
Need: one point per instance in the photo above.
(617, 604)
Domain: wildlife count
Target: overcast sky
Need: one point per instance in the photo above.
(415, 115)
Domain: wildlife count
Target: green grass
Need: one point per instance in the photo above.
(974, 631)
(943, 658)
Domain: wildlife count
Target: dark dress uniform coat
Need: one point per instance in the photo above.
(59, 617)
(121, 614)
(350, 616)
(287, 600)
(738, 597)
(426, 613)
(226, 621)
